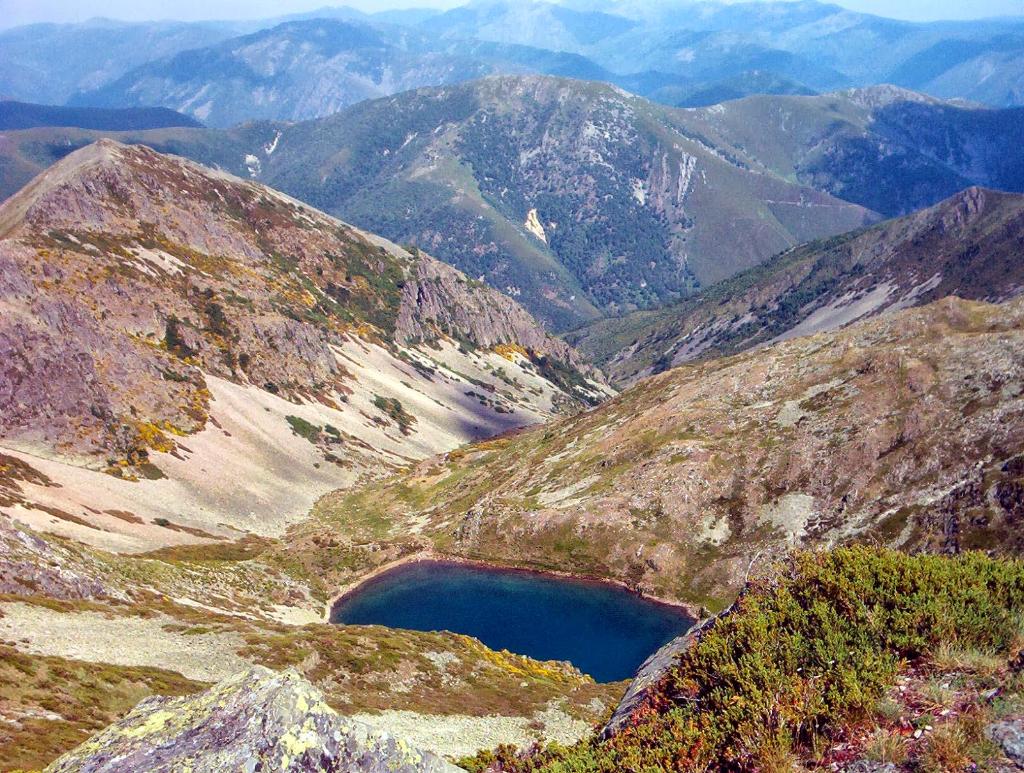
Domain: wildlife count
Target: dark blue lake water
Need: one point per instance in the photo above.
(604, 630)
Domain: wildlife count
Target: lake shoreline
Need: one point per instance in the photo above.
(435, 556)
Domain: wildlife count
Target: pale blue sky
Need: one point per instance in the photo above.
(14, 12)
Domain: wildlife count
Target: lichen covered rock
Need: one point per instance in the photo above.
(258, 720)
(648, 676)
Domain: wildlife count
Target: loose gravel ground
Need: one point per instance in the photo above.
(124, 641)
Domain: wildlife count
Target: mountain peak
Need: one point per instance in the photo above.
(131, 189)
(75, 164)
(885, 94)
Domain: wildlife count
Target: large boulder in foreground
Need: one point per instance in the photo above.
(259, 720)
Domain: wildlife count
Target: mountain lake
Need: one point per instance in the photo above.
(603, 629)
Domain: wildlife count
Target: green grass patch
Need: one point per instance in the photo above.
(303, 428)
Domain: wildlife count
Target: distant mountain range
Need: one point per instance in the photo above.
(582, 201)
(294, 71)
(51, 62)
(25, 115)
(679, 53)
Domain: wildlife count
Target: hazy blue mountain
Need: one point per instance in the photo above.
(512, 58)
(817, 45)
(736, 87)
(675, 52)
(537, 24)
(25, 115)
(294, 71)
(50, 62)
(307, 69)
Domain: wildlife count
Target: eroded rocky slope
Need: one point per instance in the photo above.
(968, 246)
(186, 354)
(905, 429)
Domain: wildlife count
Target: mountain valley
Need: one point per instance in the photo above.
(900, 430)
(592, 386)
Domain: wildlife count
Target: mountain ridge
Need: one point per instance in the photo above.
(630, 207)
(965, 246)
(199, 315)
(460, 176)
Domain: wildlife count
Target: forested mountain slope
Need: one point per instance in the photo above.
(968, 245)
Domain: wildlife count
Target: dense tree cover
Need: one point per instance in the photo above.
(617, 247)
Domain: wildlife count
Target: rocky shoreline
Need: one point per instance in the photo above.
(430, 554)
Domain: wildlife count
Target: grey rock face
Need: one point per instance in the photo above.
(438, 296)
(869, 766)
(655, 668)
(1010, 737)
(647, 677)
(31, 565)
(258, 720)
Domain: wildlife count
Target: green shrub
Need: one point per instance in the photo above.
(303, 428)
(173, 338)
(808, 648)
(393, 408)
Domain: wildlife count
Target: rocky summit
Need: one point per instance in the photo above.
(259, 720)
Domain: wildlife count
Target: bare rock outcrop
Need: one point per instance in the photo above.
(647, 678)
(258, 720)
(653, 671)
(30, 565)
(437, 297)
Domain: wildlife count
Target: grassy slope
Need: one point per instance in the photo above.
(84, 697)
(874, 432)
